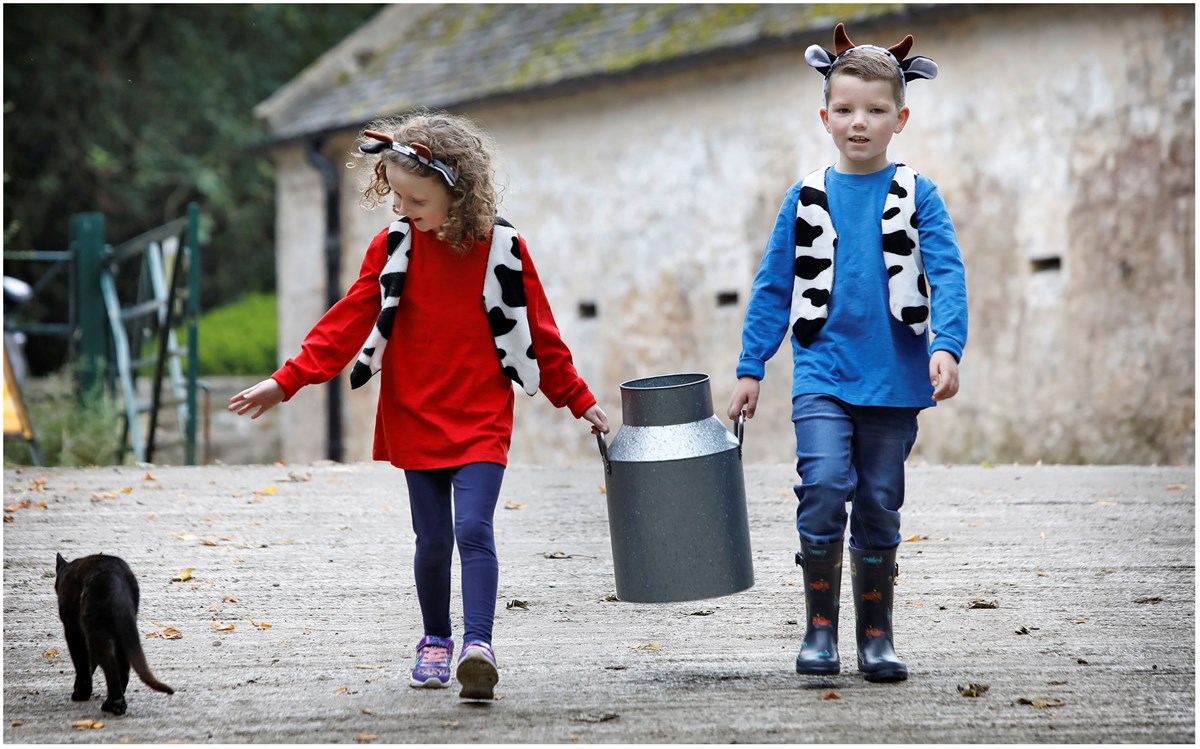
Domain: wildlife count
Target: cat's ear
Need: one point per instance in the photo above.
(60, 563)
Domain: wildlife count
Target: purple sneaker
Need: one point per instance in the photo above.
(432, 668)
(477, 671)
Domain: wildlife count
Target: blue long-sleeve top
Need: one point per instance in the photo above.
(862, 355)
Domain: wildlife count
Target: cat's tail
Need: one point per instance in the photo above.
(137, 658)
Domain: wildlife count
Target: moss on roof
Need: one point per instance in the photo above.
(457, 53)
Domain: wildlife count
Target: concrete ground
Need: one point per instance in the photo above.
(298, 618)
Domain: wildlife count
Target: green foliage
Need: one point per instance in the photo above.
(72, 429)
(135, 110)
(239, 338)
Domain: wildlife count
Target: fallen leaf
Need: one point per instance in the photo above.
(830, 696)
(104, 495)
(515, 604)
(557, 555)
(1151, 599)
(451, 724)
(701, 612)
(914, 604)
(365, 738)
(127, 490)
(8, 518)
(367, 668)
(259, 625)
(1040, 702)
(87, 724)
(1081, 620)
(979, 603)
(973, 690)
(611, 597)
(296, 477)
(183, 576)
(229, 599)
(648, 646)
(270, 491)
(208, 542)
(603, 489)
(17, 723)
(912, 539)
(218, 627)
(1176, 487)
(1041, 574)
(1022, 631)
(148, 477)
(51, 653)
(513, 505)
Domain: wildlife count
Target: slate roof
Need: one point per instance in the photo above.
(446, 56)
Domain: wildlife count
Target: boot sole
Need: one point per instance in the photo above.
(478, 678)
(884, 675)
(819, 670)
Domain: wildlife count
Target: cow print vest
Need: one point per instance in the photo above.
(503, 299)
(816, 243)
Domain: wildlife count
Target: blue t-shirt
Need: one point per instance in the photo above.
(862, 355)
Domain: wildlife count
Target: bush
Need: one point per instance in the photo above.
(71, 429)
(239, 338)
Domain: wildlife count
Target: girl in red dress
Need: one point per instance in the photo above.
(448, 364)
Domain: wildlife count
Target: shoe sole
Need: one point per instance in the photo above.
(478, 677)
(428, 684)
(884, 675)
(819, 670)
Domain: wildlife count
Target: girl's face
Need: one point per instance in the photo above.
(425, 200)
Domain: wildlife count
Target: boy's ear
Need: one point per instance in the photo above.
(902, 118)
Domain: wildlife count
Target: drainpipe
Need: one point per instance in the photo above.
(329, 177)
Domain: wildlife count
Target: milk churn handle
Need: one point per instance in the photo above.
(603, 443)
(739, 429)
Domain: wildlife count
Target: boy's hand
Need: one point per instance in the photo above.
(597, 417)
(745, 397)
(265, 395)
(943, 375)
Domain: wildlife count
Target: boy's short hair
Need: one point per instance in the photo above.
(869, 65)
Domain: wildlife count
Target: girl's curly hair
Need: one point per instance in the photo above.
(461, 144)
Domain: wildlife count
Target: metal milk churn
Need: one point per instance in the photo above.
(676, 494)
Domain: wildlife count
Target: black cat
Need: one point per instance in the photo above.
(98, 605)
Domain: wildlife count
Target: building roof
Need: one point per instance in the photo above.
(449, 55)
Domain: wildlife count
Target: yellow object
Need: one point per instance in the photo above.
(16, 417)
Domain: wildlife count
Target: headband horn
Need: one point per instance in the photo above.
(841, 40)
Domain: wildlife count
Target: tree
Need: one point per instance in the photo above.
(135, 110)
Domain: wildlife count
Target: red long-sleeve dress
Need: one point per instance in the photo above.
(443, 399)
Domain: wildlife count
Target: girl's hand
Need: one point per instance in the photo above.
(943, 375)
(744, 398)
(599, 420)
(264, 396)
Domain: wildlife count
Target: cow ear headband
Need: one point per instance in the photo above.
(911, 68)
(418, 152)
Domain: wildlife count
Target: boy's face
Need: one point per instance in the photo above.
(425, 200)
(862, 117)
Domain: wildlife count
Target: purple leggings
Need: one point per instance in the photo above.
(476, 487)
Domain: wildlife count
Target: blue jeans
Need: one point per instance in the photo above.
(476, 487)
(854, 454)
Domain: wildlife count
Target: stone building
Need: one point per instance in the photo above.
(646, 150)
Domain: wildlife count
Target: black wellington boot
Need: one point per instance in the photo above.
(872, 575)
(822, 565)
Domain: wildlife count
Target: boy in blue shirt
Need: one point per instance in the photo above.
(863, 273)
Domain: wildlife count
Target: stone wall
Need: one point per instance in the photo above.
(1062, 138)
